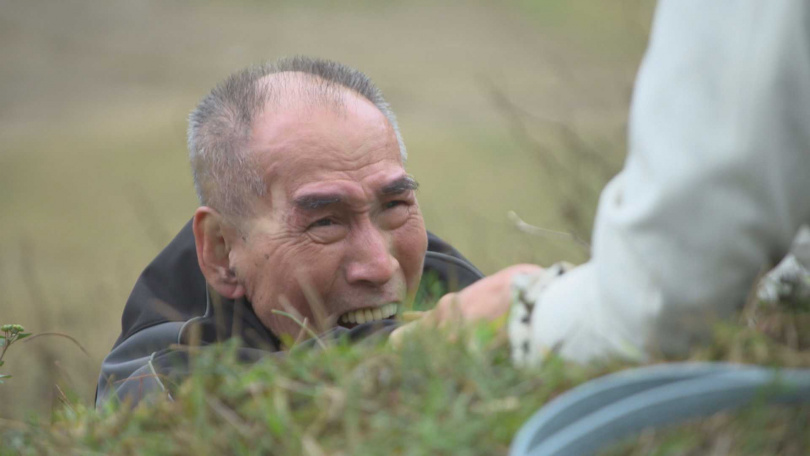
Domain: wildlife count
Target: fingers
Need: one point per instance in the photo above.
(525, 268)
(447, 309)
(487, 299)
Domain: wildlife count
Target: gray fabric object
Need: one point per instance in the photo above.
(126, 371)
(605, 410)
(791, 277)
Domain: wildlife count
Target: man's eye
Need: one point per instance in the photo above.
(322, 222)
(395, 203)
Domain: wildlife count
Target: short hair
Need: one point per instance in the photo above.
(225, 175)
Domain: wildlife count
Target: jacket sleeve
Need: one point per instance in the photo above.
(715, 186)
(128, 370)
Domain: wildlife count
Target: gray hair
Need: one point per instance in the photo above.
(225, 175)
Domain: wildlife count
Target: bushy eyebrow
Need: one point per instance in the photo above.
(315, 201)
(401, 185)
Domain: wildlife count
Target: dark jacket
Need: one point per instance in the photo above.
(171, 305)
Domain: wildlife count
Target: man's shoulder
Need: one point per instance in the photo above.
(170, 288)
(451, 268)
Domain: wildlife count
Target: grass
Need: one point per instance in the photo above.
(433, 394)
(771, 430)
(426, 397)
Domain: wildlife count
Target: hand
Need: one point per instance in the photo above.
(487, 299)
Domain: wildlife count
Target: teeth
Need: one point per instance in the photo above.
(366, 315)
(391, 309)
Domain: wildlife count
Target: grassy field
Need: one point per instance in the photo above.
(431, 394)
(517, 105)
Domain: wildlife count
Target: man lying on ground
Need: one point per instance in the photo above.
(305, 208)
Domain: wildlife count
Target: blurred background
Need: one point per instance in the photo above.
(518, 105)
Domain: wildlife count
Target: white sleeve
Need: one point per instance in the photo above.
(716, 184)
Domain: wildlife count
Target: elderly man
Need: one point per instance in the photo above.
(306, 211)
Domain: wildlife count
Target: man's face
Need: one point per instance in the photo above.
(339, 228)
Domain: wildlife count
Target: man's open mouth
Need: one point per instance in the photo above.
(360, 316)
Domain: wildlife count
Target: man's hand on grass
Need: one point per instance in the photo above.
(487, 300)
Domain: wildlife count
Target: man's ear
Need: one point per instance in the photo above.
(213, 251)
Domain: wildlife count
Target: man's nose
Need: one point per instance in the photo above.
(371, 260)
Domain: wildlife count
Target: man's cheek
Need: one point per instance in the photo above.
(315, 270)
(411, 244)
(269, 277)
(280, 291)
